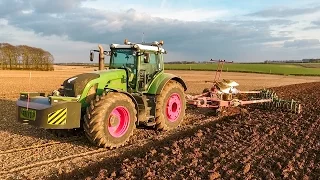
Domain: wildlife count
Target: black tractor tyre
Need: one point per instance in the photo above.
(171, 89)
(99, 115)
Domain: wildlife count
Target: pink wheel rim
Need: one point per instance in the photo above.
(174, 104)
(118, 121)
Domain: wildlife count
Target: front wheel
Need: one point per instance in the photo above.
(170, 107)
(110, 120)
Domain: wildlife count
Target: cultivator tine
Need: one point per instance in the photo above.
(279, 104)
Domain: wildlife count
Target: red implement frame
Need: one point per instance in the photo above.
(213, 99)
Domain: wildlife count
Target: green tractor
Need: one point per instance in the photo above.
(109, 104)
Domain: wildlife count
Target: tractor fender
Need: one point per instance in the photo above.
(160, 81)
(126, 93)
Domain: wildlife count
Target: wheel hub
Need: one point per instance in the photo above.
(174, 107)
(118, 121)
(114, 120)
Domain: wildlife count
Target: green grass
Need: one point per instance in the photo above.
(281, 69)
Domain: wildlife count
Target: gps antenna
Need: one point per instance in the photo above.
(142, 37)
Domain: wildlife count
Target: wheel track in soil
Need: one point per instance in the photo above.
(28, 155)
(14, 150)
(103, 151)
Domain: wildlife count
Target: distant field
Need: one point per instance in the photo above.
(309, 65)
(312, 69)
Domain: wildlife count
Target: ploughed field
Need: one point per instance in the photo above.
(260, 145)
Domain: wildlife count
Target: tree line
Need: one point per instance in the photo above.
(25, 57)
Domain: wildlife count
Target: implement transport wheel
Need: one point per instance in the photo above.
(110, 120)
(170, 107)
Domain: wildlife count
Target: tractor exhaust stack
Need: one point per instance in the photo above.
(101, 57)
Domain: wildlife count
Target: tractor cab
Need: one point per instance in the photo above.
(141, 61)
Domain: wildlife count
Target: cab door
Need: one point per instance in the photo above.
(149, 67)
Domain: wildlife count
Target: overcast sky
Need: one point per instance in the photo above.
(246, 30)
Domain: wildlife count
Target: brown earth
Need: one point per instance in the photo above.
(263, 144)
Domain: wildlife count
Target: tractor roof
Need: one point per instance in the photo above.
(154, 46)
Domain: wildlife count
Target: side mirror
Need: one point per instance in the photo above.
(91, 56)
(107, 53)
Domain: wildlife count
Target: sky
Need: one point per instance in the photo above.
(192, 30)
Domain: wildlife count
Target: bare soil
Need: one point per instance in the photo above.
(272, 145)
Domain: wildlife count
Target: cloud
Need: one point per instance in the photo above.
(314, 25)
(302, 43)
(192, 39)
(97, 26)
(285, 12)
(317, 23)
(56, 6)
(9, 7)
(59, 27)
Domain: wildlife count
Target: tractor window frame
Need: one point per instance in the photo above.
(159, 59)
(134, 59)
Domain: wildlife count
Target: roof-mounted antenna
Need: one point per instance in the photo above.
(142, 37)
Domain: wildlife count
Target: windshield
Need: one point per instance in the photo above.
(123, 58)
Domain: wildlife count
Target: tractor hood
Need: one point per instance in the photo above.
(75, 86)
(108, 72)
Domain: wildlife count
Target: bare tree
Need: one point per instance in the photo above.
(25, 57)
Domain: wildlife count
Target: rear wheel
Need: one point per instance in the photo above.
(170, 107)
(110, 120)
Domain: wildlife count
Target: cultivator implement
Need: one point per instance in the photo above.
(278, 103)
(223, 94)
(264, 99)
